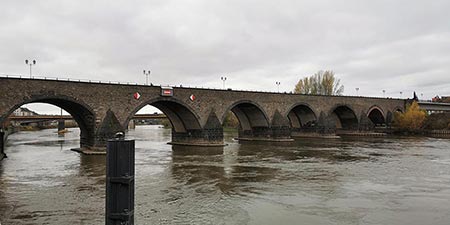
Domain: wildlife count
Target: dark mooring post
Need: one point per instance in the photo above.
(120, 181)
(61, 125)
(2, 144)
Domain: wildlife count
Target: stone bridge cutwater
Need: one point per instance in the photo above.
(196, 114)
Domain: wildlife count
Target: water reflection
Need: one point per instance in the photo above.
(93, 166)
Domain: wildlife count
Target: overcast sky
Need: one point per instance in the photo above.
(373, 45)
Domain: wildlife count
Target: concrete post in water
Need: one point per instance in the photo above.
(61, 125)
(132, 125)
(120, 181)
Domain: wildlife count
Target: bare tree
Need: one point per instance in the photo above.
(321, 83)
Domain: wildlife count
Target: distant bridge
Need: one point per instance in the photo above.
(69, 117)
(434, 106)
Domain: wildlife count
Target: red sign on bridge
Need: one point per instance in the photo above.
(166, 91)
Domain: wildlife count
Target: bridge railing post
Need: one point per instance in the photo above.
(120, 182)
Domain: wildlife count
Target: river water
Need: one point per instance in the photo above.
(311, 181)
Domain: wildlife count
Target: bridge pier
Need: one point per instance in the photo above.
(202, 137)
(324, 126)
(210, 135)
(131, 125)
(279, 131)
(272, 134)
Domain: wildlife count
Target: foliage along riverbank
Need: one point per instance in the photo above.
(415, 121)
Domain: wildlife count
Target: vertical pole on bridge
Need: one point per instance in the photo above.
(120, 181)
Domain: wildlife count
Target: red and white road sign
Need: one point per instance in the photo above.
(192, 97)
(167, 91)
(137, 96)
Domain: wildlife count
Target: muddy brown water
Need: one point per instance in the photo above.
(311, 181)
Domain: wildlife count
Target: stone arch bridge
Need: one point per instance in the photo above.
(102, 109)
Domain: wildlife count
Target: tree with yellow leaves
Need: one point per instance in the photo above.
(411, 120)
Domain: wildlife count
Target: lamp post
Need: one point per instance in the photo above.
(146, 73)
(278, 85)
(384, 93)
(357, 89)
(31, 63)
(401, 94)
(223, 80)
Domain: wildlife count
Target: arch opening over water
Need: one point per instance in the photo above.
(181, 118)
(302, 116)
(345, 118)
(376, 116)
(81, 114)
(250, 116)
(252, 121)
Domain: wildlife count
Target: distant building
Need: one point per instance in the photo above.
(24, 112)
(445, 99)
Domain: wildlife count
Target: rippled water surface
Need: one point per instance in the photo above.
(311, 181)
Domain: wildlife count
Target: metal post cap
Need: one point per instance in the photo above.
(120, 135)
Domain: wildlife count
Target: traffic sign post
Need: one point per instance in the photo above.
(120, 181)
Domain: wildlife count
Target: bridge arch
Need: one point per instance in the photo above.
(250, 115)
(182, 117)
(344, 117)
(82, 114)
(398, 109)
(301, 115)
(376, 116)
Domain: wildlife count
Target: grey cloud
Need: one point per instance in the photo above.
(374, 45)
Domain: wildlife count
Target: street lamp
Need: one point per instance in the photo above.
(401, 94)
(146, 73)
(31, 63)
(357, 89)
(223, 79)
(278, 85)
(384, 93)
